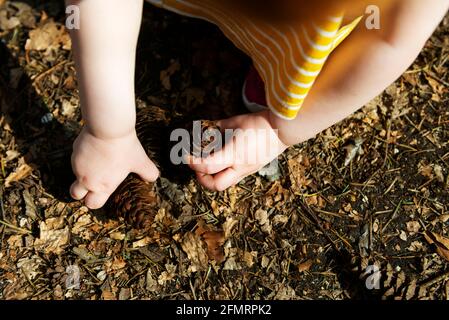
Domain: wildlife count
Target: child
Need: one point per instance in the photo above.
(291, 42)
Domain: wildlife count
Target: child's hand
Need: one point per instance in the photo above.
(100, 165)
(253, 146)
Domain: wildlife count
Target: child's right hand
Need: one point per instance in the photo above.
(100, 165)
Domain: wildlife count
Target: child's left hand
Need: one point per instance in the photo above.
(255, 143)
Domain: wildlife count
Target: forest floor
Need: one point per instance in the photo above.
(369, 194)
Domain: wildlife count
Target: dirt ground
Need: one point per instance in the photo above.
(369, 194)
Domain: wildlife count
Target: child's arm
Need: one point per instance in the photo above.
(363, 66)
(360, 68)
(107, 149)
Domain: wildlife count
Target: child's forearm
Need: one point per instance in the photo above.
(362, 67)
(105, 48)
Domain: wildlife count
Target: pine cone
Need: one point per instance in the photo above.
(135, 200)
(209, 133)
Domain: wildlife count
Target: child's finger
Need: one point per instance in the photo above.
(78, 191)
(229, 123)
(95, 200)
(216, 162)
(147, 170)
(207, 166)
(220, 181)
(226, 179)
(206, 180)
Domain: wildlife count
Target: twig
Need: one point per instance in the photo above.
(2, 208)
(393, 216)
(391, 186)
(317, 221)
(14, 227)
(43, 74)
(433, 281)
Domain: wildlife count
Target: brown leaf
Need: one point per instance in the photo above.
(352, 150)
(305, 266)
(229, 225)
(438, 88)
(248, 258)
(142, 242)
(30, 206)
(52, 238)
(108, 295)
(298, 177)
(48, 36)
(413, 227)
(196, 251)
(214, 240)
(411, 290)
(21, 172)
(118, 263)
(441, 243)
(425, 170)
(7, 22)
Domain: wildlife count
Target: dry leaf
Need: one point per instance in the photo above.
(248, 258)
(49, 35)
(297, 173)
(411, 290)
(305, 266)
(231, 264)
(214, 240)
(151, 283)
(52, 238)
(115, 264)
(30, 207)
(196, 251)
(119, 236)
(438, 170)
(425, 170)
(11, 155)
(22, 171)
(142, 242)
(413, 227)
(280, 219)
(69, 107)
(441, 243)
(438, 88)
(8, 22)
(108, 295)
(16, 13)
(228, 226)
(352, 150)
(261, 216)
(30, 266)
(167, 275)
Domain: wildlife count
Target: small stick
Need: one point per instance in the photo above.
(433, 281)
(14, 227)
(312, 214)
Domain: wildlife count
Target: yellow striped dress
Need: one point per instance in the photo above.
(288, 58)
